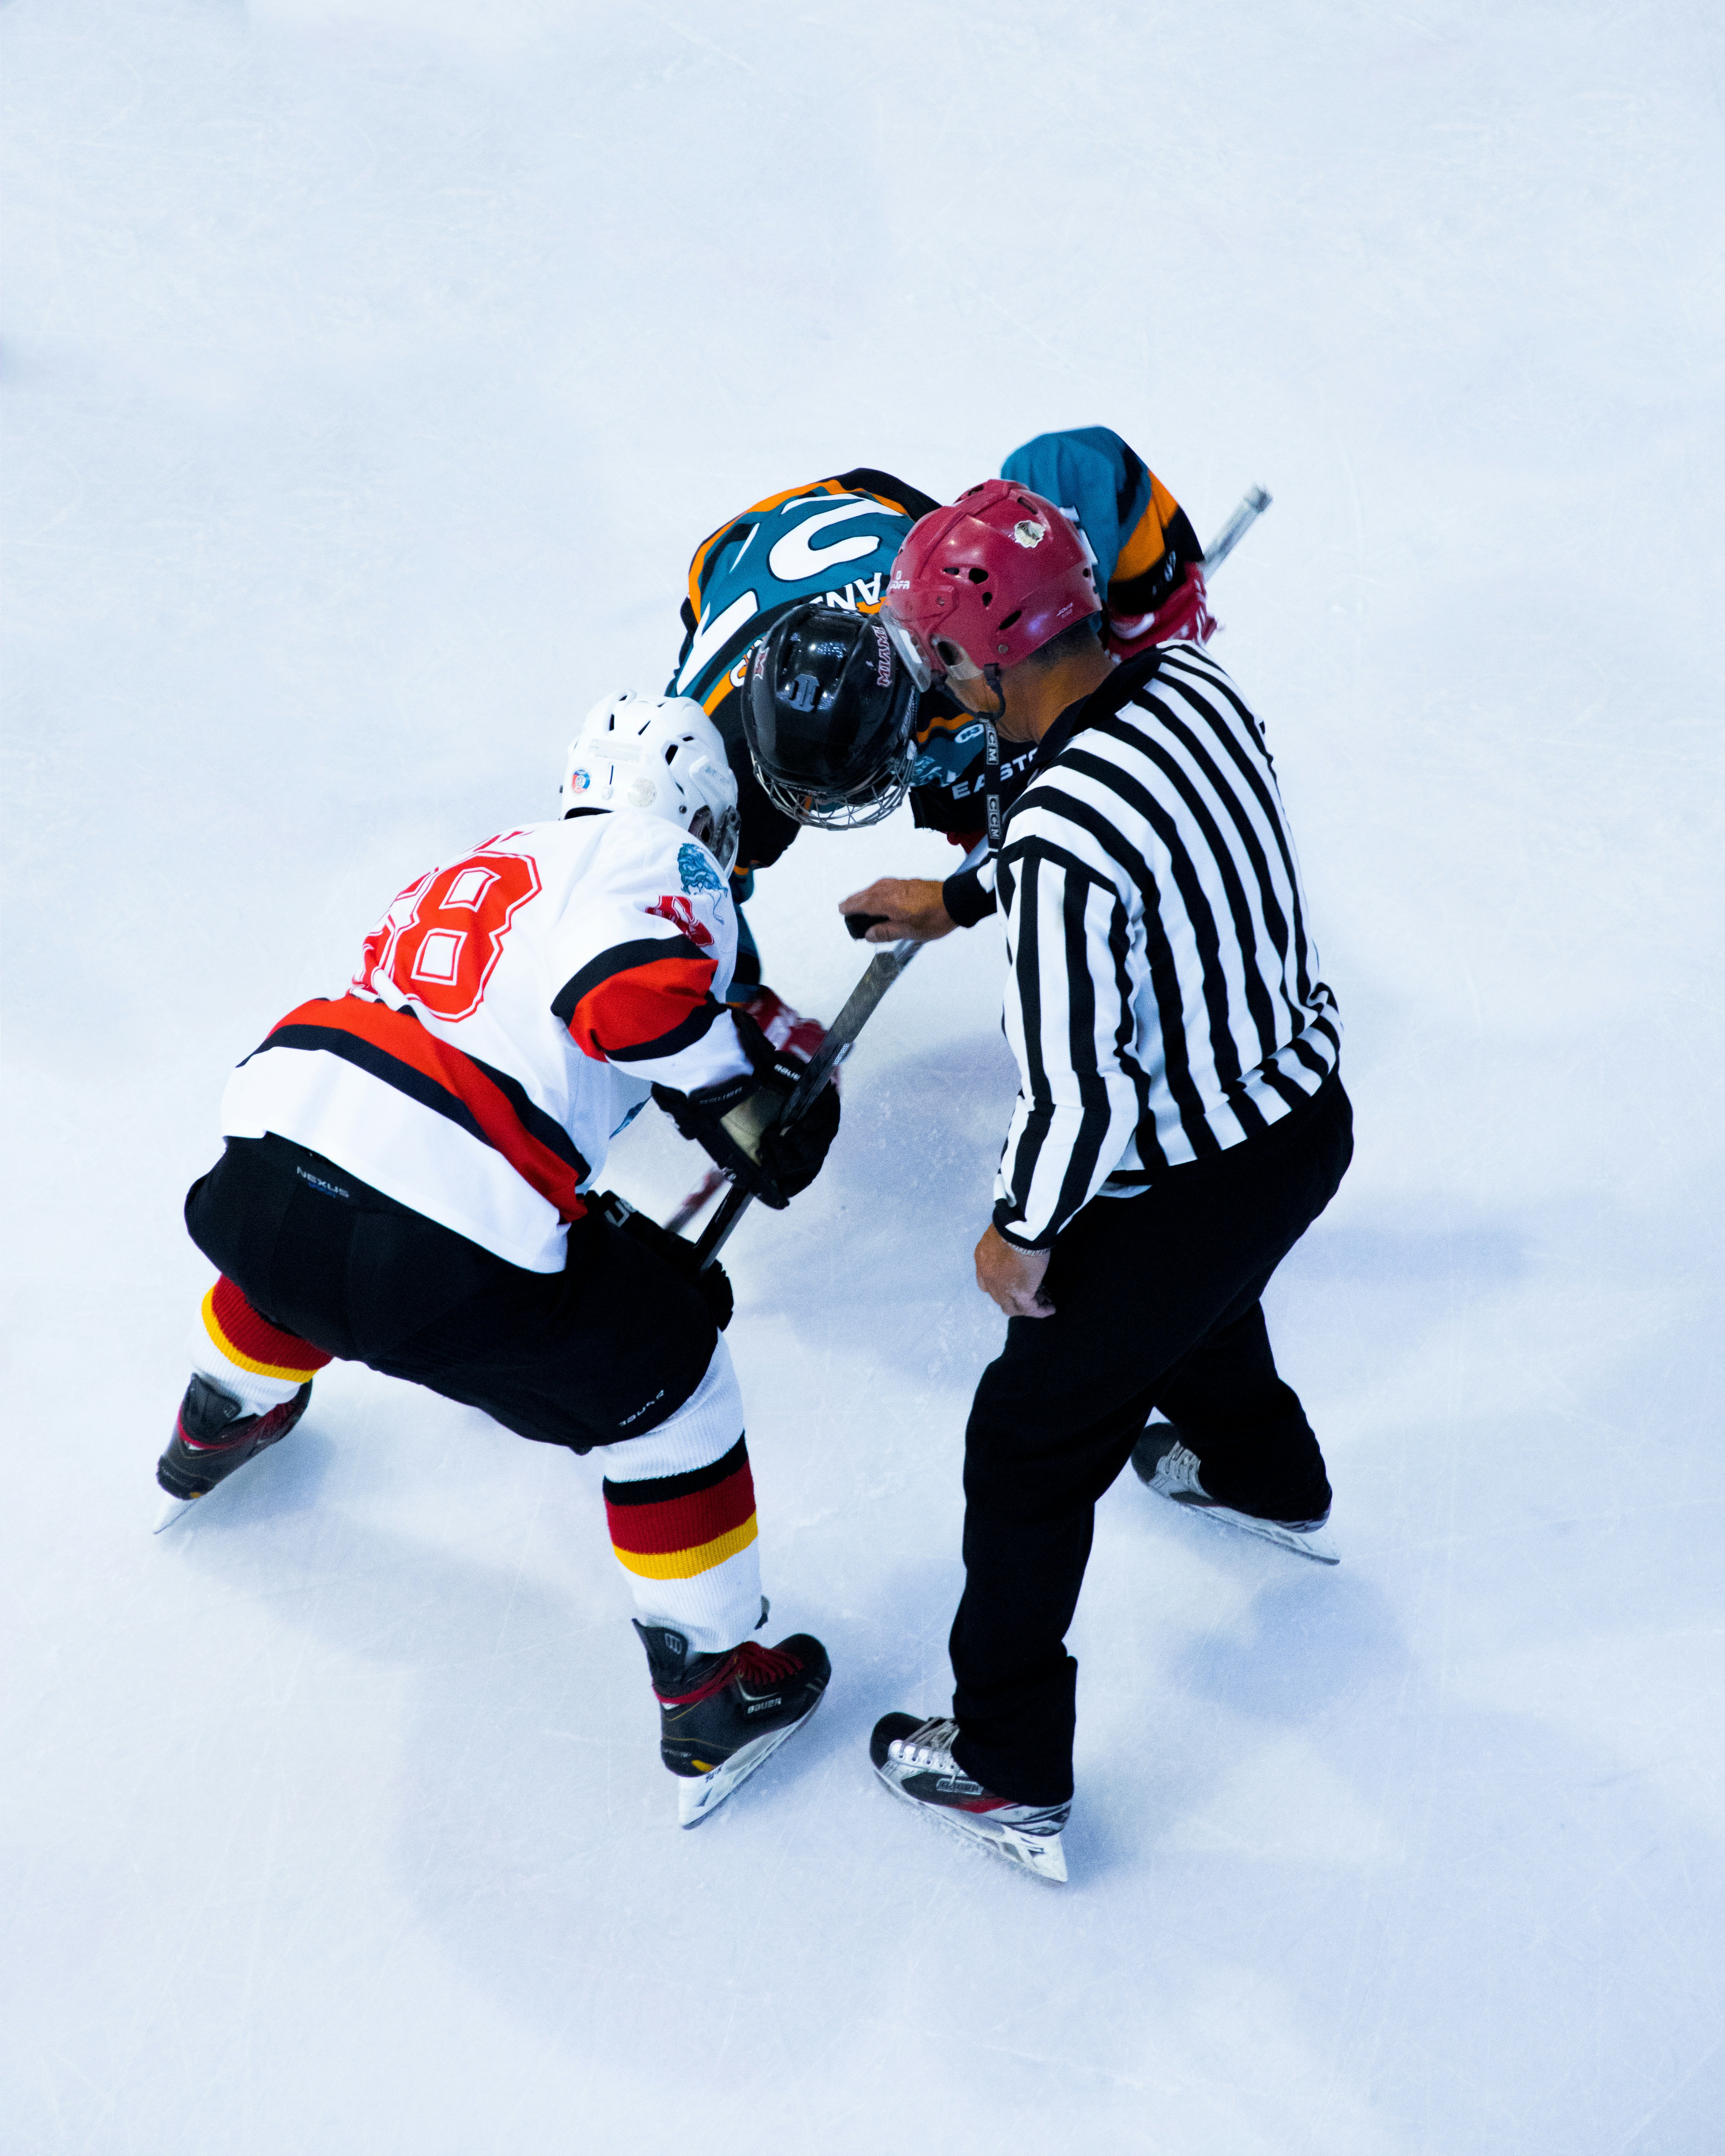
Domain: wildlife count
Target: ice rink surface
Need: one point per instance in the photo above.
(372, 368)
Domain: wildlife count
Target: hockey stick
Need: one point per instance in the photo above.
(883, 970)
(711, 1181)
(860, 1005)
(1253, 504)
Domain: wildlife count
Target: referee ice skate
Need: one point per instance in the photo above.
(1180, 1123)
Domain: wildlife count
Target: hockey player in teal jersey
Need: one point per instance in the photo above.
(832, 544)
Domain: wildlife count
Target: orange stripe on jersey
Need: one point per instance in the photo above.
(1148, 542)
(651, 996)
(651, 1009)
(248, 1338)
(394, 1046)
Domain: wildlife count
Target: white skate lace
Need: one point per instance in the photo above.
(929, 1746)
(1178, 1470)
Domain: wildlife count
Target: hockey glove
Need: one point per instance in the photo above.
(1183, 617)
(737, 1121)
(787, 1030)
(713, 1283)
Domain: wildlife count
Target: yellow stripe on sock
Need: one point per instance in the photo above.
(242, 1361)
(688, 1563)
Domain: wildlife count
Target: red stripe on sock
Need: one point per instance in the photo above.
(254, 1336)
(681, 1523)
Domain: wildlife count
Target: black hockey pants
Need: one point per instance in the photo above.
(604, 1350)
(1156, 1306)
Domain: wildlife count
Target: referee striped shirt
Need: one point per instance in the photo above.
(1164, 1001)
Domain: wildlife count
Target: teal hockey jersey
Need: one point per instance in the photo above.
(834, 540)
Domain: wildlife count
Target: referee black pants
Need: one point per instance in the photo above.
(1156, 1307)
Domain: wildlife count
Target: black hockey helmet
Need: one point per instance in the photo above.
(829, 710)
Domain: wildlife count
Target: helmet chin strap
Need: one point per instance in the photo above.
(991, 757)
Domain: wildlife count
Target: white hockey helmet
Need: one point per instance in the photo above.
(660, 754)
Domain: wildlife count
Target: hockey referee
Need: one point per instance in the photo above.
(1180, 1123)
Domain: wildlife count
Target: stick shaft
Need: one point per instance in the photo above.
(859, 1006)
(1252, 505)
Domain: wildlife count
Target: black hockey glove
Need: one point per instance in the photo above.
(713, 1282)
(737, 1122)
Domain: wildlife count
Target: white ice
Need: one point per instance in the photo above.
(372, 368)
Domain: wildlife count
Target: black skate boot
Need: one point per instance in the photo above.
(721, 1716)
(212, 1437)
(914, 1757)
(1163, 1461)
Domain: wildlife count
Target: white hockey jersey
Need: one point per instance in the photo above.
(508, 1014)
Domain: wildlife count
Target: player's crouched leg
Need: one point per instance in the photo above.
(680, 1505)
(251, 1383)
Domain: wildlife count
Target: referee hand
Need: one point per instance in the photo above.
(1012, 1277)
(911, 910)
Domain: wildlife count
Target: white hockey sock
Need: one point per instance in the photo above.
(255, 1362)
(681, 1503)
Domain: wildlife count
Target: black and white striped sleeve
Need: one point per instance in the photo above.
(1075, 969)
(968, 894)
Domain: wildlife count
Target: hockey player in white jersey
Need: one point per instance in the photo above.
(408, 1181)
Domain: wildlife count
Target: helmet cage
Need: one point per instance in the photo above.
(830, 717)
(872, 800)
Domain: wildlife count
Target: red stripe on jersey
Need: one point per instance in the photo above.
(685, 1522)
(633, 1010)
(403, 1039)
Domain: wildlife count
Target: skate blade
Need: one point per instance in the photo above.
(172, 1509)
(1313, 1541)
(1041, 1854)
(700, 1795)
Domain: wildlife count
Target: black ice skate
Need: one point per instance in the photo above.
(915, 1760)
(212, 1437)
(722, 1715)
(1166, 1464)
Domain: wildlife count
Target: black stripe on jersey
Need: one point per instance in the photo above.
(1290, 936)
(864, 481)
(1224, 1049)
(1146, 591)
(1263, 788)
(1082, 1047)
(1040, 1112)
(1145, 741)
(1164, 972)
(622, 958)
(365, 1056)
(695, 1027)
(1275, 919)
(1126, 1034)
(1138, 796)
(661, 1489)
